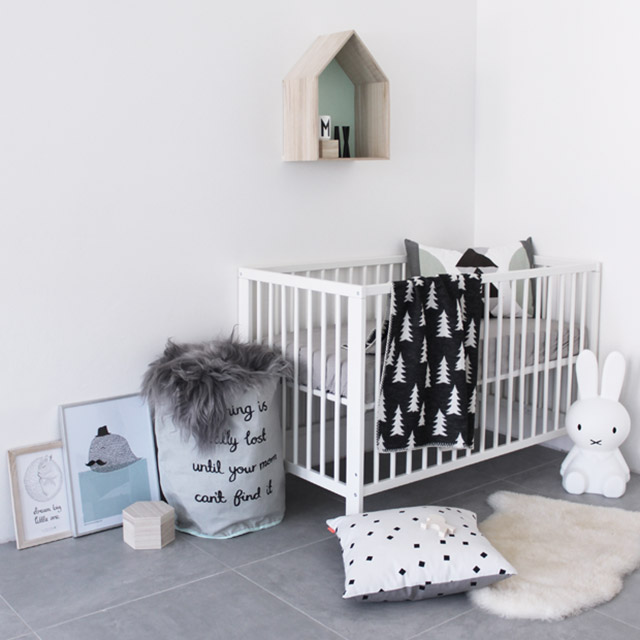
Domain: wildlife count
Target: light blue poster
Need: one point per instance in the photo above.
(106, 494)
(111, 458)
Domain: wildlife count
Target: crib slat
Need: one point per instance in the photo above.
(485, 367)
(356, 337)
(583, 312)
(323, 382)
(270, 312)
(376, 379)
(259, 309)
(512, 338)
(309, 420)
(560, 343)
(337, 386)
(536, 357)
(246, 308)
(523, 357)
(547, 356)
(572, 337)
(497, 383)
(283, 348)
(296, 374)
(594, 342)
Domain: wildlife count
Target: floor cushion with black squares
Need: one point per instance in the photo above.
(415, 553)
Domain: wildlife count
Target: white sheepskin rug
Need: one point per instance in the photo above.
(569, 557)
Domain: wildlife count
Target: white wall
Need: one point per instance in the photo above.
(558, 148)
(140, 146)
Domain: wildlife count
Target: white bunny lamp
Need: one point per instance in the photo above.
(598, 425)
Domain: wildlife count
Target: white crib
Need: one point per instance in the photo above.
(321, 316)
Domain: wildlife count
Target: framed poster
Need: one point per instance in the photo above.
(110, 458)
(38, 493)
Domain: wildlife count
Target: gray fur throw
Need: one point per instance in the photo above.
(198, 381)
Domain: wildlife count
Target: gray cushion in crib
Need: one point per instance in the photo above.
(423, 260)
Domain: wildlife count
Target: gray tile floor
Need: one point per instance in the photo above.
(285, 582)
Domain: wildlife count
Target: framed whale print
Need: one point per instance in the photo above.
(38, 494)
(110, 459)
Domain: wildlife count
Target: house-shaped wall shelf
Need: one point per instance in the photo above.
(371, 98)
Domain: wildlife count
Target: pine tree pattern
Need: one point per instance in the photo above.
(397, 423)
(454, 402)
(422, 421)
(382, 412)
(472, 401)
(443, 326)
(461, 362)
(470, 340)
(414, 402)
(392, 304)
(408, 296)
(391, 354)
(432, 300)
(468, 370)
(439, 424)
(443, 372)
(406, 333)
(428, 387)
(399, 375)
(459, 320)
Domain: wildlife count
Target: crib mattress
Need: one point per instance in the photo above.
(548, 338)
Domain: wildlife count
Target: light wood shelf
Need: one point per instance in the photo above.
(371, 99)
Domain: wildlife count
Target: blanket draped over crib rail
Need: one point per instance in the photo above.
(428, 383)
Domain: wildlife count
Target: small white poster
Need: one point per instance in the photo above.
(41, 510)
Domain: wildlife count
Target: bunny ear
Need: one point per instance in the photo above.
(613, 376)
(587, 374)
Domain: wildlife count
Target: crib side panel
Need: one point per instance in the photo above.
(321, 318)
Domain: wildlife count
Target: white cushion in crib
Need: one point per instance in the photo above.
(389, 555)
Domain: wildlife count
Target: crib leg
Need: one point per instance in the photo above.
(355, 405)
(355, 496)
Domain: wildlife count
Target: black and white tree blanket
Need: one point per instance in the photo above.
(428, 383)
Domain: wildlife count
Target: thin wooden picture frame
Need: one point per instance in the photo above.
(110, 459)
(41, 511)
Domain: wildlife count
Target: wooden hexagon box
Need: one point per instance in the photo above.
(148, 525)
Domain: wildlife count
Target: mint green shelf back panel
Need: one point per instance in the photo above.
(336, 98)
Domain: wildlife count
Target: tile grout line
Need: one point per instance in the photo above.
(492, 481)
(274, 555)
(280, 553)
(304, 613)
(610, 617)
(132, 600)
(29, 627)
(440, 624)
(210, 555)
(538, 466)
